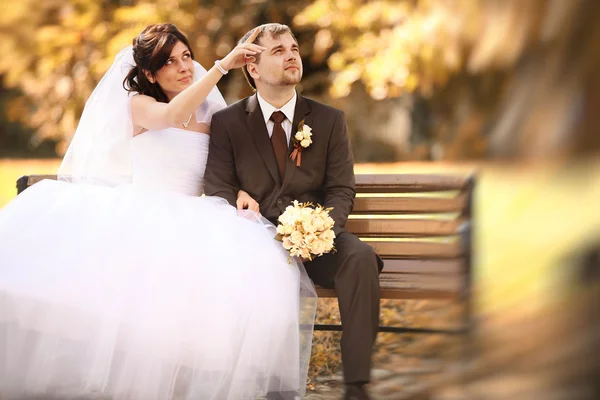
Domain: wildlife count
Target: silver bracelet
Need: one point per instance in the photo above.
(220, 68)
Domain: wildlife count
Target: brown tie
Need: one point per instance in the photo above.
(279, 142)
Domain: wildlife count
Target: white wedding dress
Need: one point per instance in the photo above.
(147, 290)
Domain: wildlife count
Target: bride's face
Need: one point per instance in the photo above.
(178, 72)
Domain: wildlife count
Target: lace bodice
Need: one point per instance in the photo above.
(171, 159)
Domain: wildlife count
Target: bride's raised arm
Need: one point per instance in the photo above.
(150, 114)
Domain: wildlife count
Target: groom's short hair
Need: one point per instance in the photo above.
(274, 30)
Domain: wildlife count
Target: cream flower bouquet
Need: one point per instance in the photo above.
(305, 231)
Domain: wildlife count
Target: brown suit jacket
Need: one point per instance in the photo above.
(241, 157)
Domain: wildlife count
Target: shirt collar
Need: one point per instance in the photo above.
(267, 109)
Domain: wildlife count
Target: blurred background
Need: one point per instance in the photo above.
(507, 89)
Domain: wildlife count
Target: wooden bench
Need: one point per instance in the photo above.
(421, 225)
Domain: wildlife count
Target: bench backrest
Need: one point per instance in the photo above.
(420, 224)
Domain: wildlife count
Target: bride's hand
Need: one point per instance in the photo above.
(246, 202)
(243, 53)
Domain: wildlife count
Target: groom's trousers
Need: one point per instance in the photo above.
(353, 271)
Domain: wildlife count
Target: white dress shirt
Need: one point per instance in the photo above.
(288, 109)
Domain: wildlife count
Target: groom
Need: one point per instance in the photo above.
(250, 150)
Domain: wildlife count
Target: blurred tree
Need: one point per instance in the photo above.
(416, 47)
(15, 138)
(468, 62)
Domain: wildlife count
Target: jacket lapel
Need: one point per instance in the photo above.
(258, 129)
(301, 112)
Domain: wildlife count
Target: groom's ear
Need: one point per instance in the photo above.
(252, 71)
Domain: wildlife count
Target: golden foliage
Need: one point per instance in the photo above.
(398, 46)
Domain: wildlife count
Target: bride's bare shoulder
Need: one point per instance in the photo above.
(141, 99)
(139, 104)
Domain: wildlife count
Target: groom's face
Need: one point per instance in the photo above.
(280, 64)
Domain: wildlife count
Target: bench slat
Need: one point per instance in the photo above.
(425, 282)
(32, 179)
(408, 205)
(388, 227)
(390, 249)
(424, 267)
(409, 183)
(399, 294)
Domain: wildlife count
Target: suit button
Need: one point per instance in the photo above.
(279, 201)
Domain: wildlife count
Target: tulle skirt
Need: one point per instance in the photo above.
(123, 293)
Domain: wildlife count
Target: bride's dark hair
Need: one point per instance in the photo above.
(151, 50)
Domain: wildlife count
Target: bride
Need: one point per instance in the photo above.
(120, 281)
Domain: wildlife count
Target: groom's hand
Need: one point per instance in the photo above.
(246, 202)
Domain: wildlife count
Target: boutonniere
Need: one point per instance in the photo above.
(302, 139)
